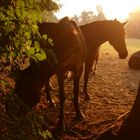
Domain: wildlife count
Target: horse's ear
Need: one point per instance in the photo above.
(124, 23)
(115, 19)
(64, 19)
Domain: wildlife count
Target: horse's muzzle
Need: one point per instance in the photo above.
(123, 55)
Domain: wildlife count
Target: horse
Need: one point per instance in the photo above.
(97, 33)
(69, 45)
(93, 70)
(134, 61)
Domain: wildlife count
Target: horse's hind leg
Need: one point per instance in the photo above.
(94, 65)
(93, 61)
(88, 67)
(48, 94)
(61, 126)
(79, 114)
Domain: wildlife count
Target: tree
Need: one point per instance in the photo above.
(49, 16)
(100, 15)
(89, 16)
(18, 27)
(76, 19)
(133, 25)
(86, 17)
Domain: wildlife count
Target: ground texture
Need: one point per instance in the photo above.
(112, 90)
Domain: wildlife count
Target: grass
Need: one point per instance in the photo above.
(133, 43)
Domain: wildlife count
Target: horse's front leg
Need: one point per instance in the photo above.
(79, 114)
(48, 94)
(61, 126)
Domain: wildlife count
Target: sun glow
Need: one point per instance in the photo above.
(119, 9)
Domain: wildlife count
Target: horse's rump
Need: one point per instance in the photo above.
(69, 44)
(134, 61)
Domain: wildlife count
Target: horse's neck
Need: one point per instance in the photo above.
(97, 32)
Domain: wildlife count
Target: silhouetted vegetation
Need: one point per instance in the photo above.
(89, 16)
(133, 19)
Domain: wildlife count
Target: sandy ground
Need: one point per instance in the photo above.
(112, 90)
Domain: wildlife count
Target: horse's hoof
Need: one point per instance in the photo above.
(87, 97)
(93, 73)
(79, 117)
(60, 128)
(51, 104)
(57, 132)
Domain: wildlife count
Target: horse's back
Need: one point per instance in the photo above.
(69, 43)
(69, 50)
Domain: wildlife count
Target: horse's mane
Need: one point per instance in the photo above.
(103, 22)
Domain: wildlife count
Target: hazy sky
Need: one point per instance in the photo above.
(112, 8)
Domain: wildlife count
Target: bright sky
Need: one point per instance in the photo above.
(112, 8)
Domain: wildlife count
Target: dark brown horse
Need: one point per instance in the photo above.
(134, 61)
(95, 34)
(70, 50)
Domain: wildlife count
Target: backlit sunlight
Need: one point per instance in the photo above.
(119, 9)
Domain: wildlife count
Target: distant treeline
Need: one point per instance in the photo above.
(133, 27)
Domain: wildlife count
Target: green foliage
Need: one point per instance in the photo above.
(18, 27)
(19, 40)
(36, 53)
(45, 134)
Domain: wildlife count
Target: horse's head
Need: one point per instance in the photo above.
(117, 38)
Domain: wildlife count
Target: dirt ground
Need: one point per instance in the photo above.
(112, 90)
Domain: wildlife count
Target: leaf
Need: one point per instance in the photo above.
(51, 41)
(34, 58)
(43, 53)
(42, 134)
(31, 50)
(34, 28)
(45, 134)
(40, 57)
(27, 34)
(49, 134)
(44, 36)
(16, 44)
